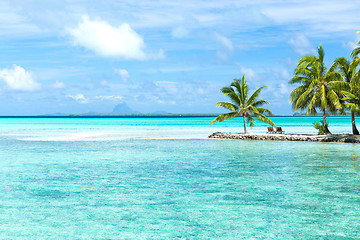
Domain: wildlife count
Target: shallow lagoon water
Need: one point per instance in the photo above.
(120, 180)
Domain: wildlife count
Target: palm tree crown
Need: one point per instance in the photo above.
(351, 74)
(319, 87)
(243, 105)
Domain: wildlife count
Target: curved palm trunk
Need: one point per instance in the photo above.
(244, 117)
(354, 129)
(327, 131)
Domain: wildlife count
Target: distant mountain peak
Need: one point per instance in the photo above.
(124, 109)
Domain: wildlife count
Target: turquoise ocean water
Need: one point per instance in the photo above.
(162, 178)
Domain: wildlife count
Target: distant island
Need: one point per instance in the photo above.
(121, 110)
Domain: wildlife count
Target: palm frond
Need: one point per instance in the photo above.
(348, 95)
(321, 54)
(334, 99)
(255, 95)
(339, 85)
(353, 107)
(265, 110)
(259, 103)
(332, 69)
(264, 119)
(227, 105)
(304, 98)
(354, 65)
(355, 52)
(242, 89)
(313, 103)
(250, 120)
(225, 116)
(228, 91)
(296, 93)
(298, 79)
(343, 65)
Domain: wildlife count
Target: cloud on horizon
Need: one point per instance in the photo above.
(109, 98)
(80, 98)
(17, 78)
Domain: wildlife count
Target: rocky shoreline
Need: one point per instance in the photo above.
(343, 138)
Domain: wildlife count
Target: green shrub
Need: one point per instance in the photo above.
(320, 127)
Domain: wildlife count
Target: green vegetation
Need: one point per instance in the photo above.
(243, 105)
(356, 51)
(319, 87)
(351, 91)
(320, 127)
(331, 90)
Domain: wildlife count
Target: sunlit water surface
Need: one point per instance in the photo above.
(163, 178)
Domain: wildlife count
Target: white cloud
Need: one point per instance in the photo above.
(179, 32)
(316, 17)
(58, 85)
(169, 87)
(248, 72)
(104, 83)
(173, 69)
(123, 73)
(349, 45)
(108, 41)
(285, 74)
(158, 55)
(80, 98)
(222, 57)
(301, 44)
(280, 91)
(224, 54)
(284, 89)
(225, 42)
(14, 23)
(110, 98)
(17, 78)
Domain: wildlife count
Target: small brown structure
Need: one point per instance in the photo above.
(279, 130)
(270, 130)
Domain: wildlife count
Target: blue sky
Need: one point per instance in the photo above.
(76, 56)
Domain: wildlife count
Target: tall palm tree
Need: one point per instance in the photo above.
(351, 74)
(356, 51)
(319, 87)
(243, 105)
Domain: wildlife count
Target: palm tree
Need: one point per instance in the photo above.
(243, 105)
(351, 75)
(319, 87)
(356, 51)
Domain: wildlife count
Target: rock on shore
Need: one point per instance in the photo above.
(345, 138)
